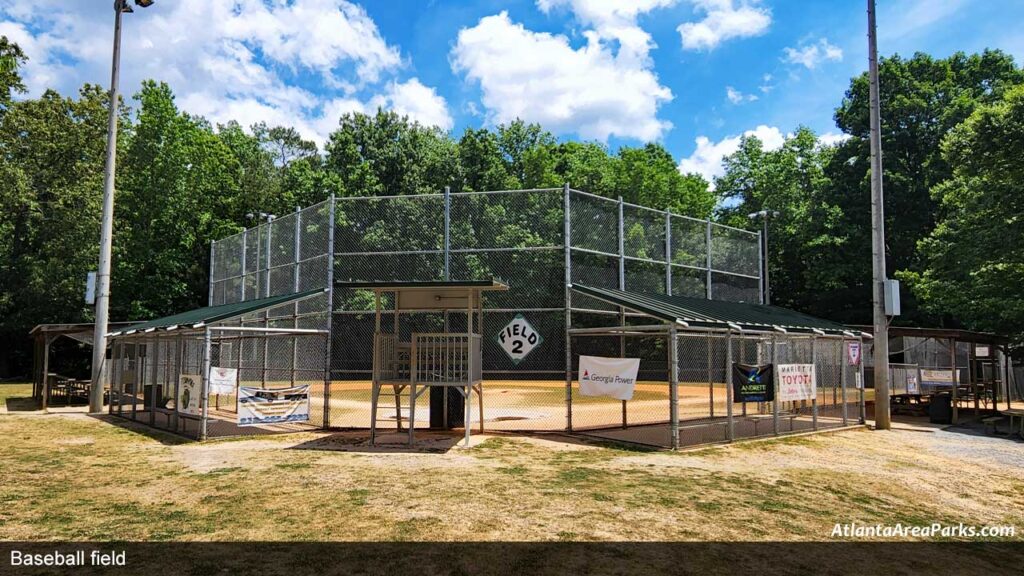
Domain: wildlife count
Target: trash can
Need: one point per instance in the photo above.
(940, 409)
(456, 408)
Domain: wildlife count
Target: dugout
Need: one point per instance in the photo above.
(244, 368)
(702, 340)
(412, 362)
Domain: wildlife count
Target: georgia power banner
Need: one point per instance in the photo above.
(258, 406)
(615, 377)
(796, 382)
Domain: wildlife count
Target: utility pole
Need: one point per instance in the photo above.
(881, 328)
(99, 341)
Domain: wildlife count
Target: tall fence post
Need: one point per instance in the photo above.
(668, 252)
(213, 254)
(863, 385)
(775, 384)
(814, 399)
(707, 263)
(567, 239)
(296, 257)
(448, 234)
(328, 376)
(730, 430)
(622, 286)
(245, 249)
(844, 379)
(761, 254)
(673, 384)
(207, 349)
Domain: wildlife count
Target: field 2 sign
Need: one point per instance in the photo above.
(518, 339)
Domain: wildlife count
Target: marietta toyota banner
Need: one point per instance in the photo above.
(615, 377)
(258, 406)
(796, 382)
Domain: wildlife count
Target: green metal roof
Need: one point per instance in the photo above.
(700, 312)
(491, 284)
(215, 313)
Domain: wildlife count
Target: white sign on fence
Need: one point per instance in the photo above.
(518, 339)
(796, 382)
(615, 377)
(941, 377)
(258, 406)
(223, 380)
(853, 350)
(190, 394)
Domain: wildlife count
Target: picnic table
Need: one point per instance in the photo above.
(1015, 413)
(910, 404)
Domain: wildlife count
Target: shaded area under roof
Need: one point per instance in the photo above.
(216, 313)
(700, 312)
(491, 284)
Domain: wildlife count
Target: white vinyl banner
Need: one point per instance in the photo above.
(258, 406)
(796, 382)
(190, 394)
(615, 377)
(223, 380)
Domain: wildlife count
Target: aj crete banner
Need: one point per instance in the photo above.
(257, 406)
(615, 377)
(752, 383)
(797, 382)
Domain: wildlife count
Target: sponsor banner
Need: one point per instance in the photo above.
(615, 377)
(796, 382)
(853, 352)
(223, 380)
(752, 383)
(257, 406)
(518, 339)
(937, 377)
(190, 394)
(912, 387)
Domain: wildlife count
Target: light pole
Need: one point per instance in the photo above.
(764, 215)
(881, 326)
(99, 341)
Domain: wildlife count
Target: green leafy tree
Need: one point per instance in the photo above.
(974, 258)
(922, 99)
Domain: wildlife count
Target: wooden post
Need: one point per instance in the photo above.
(46, 371)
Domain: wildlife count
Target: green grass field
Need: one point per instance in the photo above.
(71, 476)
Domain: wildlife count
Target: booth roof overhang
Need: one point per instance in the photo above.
(203, 316)
(702, 313)
(429, 295)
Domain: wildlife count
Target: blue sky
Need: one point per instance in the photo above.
(692, 74)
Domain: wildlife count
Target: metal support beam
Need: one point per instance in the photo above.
(622, 286)
(207, 350)
(707, 244)
(673, 384)
(329, 375)
(730, 432)
(447, 231)
(668, 252)
(567, 239)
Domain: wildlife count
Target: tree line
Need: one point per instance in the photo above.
(951, 130)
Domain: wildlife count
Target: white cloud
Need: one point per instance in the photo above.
(248, 60)
(737, 97)
(539, 77)
(812, 55)
(614, 21)
(833, 138)
(706, 160)
(724, 20)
